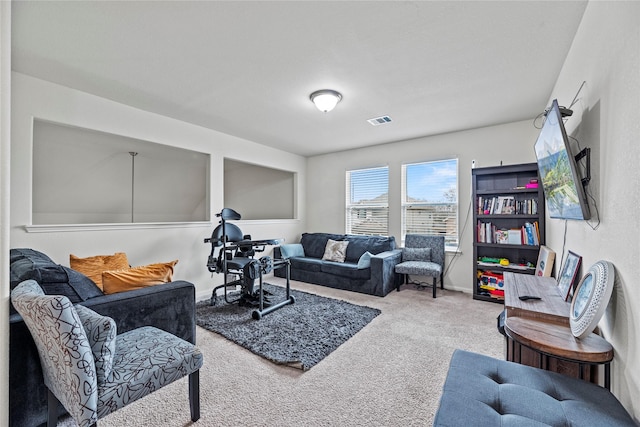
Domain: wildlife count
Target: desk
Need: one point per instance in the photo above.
(538, 331)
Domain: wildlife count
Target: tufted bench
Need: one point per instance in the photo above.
(483, 391)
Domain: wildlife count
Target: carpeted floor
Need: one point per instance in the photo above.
(298, 335)
(388, 374)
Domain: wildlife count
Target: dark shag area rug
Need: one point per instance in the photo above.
(298, 335)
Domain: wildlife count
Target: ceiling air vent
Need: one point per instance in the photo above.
(382, 120)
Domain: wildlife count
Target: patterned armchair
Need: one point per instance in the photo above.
(93, 371)
(422, 255)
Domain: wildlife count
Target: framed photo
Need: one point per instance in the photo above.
(567, 279)
(544, 266)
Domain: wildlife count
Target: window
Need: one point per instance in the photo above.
(367, 201)
(430, 200)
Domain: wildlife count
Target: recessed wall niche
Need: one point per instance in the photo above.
(258, 192)
(84, 176)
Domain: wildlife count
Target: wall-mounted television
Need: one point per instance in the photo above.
(561, 182)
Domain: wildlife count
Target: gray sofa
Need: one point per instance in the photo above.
(169, 306)
(483, 391)
(359, 272)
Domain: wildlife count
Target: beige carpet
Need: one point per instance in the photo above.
(389, 374)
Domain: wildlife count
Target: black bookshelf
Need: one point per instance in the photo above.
(502, 205)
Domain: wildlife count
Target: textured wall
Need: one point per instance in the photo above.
(606, 56)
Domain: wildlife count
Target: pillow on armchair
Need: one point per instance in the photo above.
(416, 254)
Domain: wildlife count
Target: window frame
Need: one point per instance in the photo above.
(452, 241)
(372, 206)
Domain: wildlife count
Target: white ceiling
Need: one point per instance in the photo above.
(247, 68)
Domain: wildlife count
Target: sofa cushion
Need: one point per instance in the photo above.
(306, 264)
(336, 250)
(315, 243)
(347, 270)
(53, 278)
(373, 244)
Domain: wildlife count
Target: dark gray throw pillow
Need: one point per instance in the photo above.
(54, 279)
(416, 254)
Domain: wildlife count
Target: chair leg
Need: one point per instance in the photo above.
(434, 287)
(194, 395)
(441, 281)
(52, 409)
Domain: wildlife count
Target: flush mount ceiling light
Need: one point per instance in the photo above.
(325, 99)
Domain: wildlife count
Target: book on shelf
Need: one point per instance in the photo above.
(515, 236)
(505, 205)
(528, 234)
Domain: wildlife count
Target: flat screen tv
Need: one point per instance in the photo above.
(558, 169)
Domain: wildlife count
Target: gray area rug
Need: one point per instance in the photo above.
(298, 335)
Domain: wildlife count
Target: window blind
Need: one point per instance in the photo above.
(367, 201)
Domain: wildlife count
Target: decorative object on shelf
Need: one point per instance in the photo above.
(591, 298)
(544, 266)
(569, 274)
(326, 99)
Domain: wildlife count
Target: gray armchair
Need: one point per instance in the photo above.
(93, 371)
(422, 255)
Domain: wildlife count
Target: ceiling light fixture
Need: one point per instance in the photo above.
(325, 99)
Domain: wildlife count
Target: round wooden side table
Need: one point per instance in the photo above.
(548, 339)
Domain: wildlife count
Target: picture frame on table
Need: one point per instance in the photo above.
(544, 265)
(568, 277)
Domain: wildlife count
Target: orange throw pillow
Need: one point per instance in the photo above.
(93, 266)
(137, 277)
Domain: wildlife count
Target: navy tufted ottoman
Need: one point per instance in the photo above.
(483, 391)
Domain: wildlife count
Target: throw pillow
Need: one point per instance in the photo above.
(101, 333)
(291, 250)
(55, 279)
(335, 250)
(137, 277)
(365, 261)
(416, 254)
(93, 266)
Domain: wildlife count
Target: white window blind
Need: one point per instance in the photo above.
(430, 200)
(367, 201)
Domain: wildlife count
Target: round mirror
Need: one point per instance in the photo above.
(591, 298)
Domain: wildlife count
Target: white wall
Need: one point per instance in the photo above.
(259, 192)
(5, 139)
(36, 98)
(606, 55)
(510, 144)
